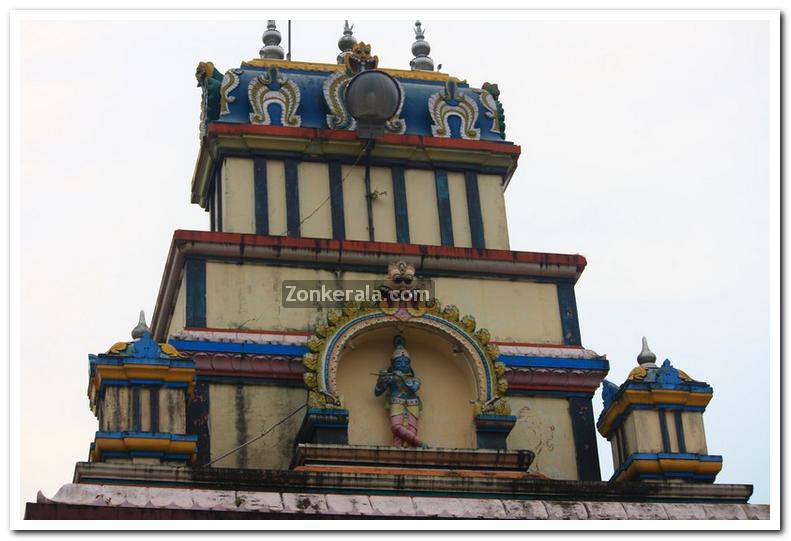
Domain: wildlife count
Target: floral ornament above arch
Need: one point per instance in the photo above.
(272, 87)
(331, 336)
(489, 95)
(229, 83)
(334, 88)
(453, 102)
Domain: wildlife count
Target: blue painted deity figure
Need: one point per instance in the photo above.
(401, 386)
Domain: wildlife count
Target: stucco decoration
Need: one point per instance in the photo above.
(229, 83)
(400, 385)
(489, 95)
(334, 89)
(269, 88)
(209, 80)
(331, 336)
(453, 102)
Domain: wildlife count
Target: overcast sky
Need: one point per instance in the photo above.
(645, 147)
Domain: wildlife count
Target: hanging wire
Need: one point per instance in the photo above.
(258, 437)
(368, 145)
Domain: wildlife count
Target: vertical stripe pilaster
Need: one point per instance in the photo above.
(399, 200)
(682, 443)
(137, 425)
(474, 209)
(218, 196)
(336, 201)
(195, 270)
(153, 401)
(261, 195)
(584, 432)
(663, 428)
(443, 207)
(198, 421)
(569, 321)
(292, 199)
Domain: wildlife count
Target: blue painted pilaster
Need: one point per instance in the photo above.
(568, 315)
(583, 429)
(474, 209)
(195, 270)
(399, 200)
(443, 207)
(336, 201)
(292, 199)
(261, 195)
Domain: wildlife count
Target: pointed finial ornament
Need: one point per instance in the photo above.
(646, 355)
(346, 41)
(421, 48)
(141, 327)
(271, 39)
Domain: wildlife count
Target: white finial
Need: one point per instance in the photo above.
(271, 39)
(346, 41)
(646, 355)
(141, 327)
(421, 48)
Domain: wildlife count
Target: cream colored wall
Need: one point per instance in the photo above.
(249, 295)
(179, 318)
(495, 225)
(457, 189)
(238, 196)
(238, 413)
(355, 210)
(421, 200)
(276, 196)
(383, 207)
(694, 434)
(314, 192)
(544, 427)
(645, 426)
(447, 389)
(172, 411)
(533, 314)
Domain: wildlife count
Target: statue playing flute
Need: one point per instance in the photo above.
(401, 386)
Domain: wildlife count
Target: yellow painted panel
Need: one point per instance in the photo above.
(238, 413)
(534, 315)
(249, 296)
(383, 208)
(421, 202)
(495, 225)
(355, 210)
(694, 433)
(458, 210)
(314, 193)
(179, 318)
(544, 426)
(145, 409)
(238, 196)
(276, 196)
(647, 431)
(447, 387)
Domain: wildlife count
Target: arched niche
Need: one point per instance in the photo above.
(448, 387)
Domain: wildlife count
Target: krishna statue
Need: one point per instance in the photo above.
(401, 386)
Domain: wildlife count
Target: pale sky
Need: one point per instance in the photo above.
(645, 147)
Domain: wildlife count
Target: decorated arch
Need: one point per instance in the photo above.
(332, 336)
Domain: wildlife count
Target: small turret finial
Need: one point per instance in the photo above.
(271, 39)
(646, 355)
(421, 48)
(141, 327)
(346, 41)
